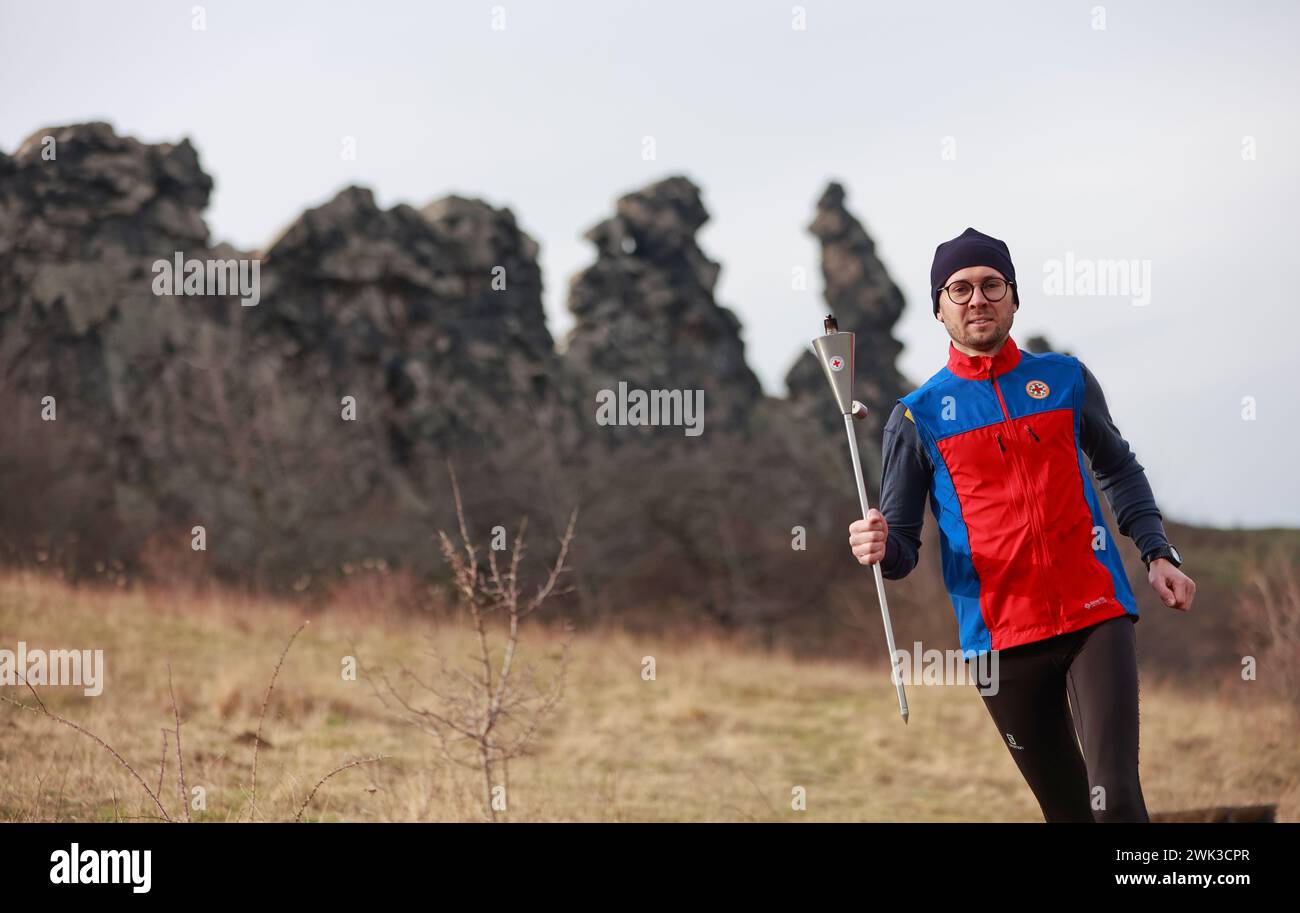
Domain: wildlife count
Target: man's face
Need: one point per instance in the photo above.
(978, 324)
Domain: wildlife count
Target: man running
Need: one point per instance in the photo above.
(997, 438)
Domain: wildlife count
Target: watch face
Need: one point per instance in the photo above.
(1178, 559)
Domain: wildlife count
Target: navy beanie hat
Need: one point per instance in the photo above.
(970, 248)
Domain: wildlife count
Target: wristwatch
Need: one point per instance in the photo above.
(1165, 551)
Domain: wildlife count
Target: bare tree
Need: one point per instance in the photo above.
(486, 712)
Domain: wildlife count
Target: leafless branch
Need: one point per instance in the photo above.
(266, 700)
(321, 782)
(90, 735)
(180, 759)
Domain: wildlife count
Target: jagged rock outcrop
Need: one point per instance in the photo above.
(83, 215)
(864, 300)
(389, 341)
(703, 521)
(186, 409)
(645, 312)
(434, 317)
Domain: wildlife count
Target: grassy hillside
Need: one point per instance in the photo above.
(721, 733)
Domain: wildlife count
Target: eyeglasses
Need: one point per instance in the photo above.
(959, 292)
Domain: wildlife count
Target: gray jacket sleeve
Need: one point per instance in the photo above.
(1120, 476)
(906, 472)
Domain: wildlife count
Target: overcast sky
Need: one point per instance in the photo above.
(1167, 137)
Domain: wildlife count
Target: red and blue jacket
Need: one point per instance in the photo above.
(998, 444)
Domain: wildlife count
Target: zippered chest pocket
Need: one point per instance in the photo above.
(1051, 460)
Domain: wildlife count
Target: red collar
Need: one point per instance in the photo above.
(982, 367)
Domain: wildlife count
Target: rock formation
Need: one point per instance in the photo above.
(83, 215)
(434, 317)
(645, 312)
(865, 301)
(177, 410)
(313, 427)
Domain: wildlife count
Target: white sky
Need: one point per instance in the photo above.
(1122, 143)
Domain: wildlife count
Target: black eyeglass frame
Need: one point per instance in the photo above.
(1011, 283)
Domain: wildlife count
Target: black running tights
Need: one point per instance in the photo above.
(1082, 682)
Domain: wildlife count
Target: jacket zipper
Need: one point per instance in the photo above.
(1040, 541)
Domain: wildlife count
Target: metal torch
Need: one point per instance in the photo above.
(835, 352)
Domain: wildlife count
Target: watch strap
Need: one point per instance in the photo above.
(1163, 551)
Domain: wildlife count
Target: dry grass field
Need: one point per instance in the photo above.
(722, 733)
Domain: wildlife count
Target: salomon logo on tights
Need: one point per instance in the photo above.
(1011, 740)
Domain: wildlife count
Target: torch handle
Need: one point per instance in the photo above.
(880, 580)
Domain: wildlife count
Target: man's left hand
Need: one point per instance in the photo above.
(1174, 588)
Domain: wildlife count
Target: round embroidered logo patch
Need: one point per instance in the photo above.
(836, 363)
(1037, 389)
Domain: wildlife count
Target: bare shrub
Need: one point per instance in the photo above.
(486, 712)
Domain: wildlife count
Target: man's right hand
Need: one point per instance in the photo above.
(867, 537)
